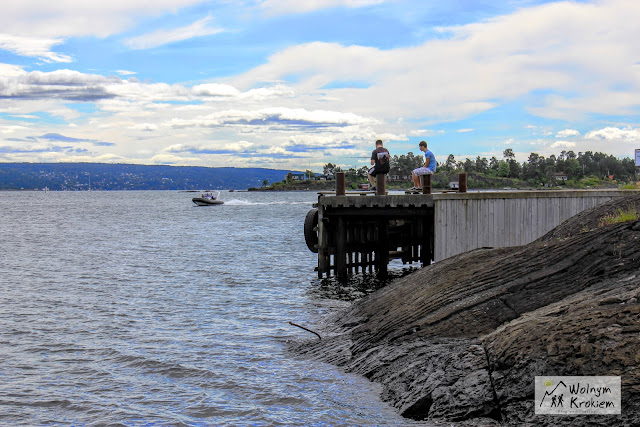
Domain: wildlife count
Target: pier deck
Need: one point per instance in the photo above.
(363, 231)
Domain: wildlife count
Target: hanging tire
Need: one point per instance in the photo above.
(310, 234)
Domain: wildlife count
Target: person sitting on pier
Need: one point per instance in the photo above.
(428, 168)
(380, 161)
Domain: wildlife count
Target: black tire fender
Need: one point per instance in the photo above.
(310, 234)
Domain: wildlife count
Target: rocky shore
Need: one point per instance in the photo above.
(462, 339)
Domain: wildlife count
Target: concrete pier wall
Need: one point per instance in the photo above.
(466, 221)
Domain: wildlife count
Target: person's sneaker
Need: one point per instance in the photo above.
(372, 189)
(415, 189)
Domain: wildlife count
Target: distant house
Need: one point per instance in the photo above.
(560, 176)
(296, 176)
(325, 177)
(398, 178)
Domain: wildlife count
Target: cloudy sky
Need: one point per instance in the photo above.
(296, 84)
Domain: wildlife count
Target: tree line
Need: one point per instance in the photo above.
(536, 170)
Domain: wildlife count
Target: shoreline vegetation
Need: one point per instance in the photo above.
(441, 180)
(566, 170)
(462, 339)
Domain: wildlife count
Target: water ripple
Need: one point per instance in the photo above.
(137, 308)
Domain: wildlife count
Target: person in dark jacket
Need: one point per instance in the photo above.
(379, 161)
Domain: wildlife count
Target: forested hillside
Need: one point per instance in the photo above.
(101, 176)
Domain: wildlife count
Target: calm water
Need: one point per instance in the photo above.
(138, 308)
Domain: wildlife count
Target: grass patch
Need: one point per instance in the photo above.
(629, 186)
(630, 214)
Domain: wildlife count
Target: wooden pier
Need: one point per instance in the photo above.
(363, 233)
(355, 232)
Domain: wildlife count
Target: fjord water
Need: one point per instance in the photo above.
(139, 308)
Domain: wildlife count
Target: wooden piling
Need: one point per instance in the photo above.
(381, 183)
(382, 249)
(462, 182)
(341, 186)
(426, 184)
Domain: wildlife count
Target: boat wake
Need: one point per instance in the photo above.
(237, 202)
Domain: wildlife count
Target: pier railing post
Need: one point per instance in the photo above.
(426, 184)
(462, 182)
(341, 186)
(381, 183)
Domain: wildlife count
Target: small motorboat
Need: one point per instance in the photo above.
(207, 199)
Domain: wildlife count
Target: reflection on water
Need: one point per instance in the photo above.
(356, 286)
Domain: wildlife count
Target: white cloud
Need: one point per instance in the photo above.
(281, 7)
(63, 84)
(211, 148)
(161, 37)
(61, 19)
(465, 130)
(33, 46)
(562, 60)
(11, 129)
(10, 70)
(615, 134)
(584, 50)
(563, 144)
(567, 133)
(215, 90)
(273, 117)
(149, 127)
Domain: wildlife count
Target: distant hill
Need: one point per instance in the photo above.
(103, 176)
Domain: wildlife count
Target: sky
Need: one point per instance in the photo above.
(292, 84)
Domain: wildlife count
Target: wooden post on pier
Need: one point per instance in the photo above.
(341, 187)
(462, 182)
(426, 184)
(381, 183)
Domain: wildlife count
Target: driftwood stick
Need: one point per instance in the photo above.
(306, 329)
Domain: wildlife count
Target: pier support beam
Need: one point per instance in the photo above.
(382, 247)
(341, 248)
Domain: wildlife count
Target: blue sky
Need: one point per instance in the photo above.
(294, 85)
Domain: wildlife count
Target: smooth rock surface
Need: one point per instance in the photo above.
(463, 339)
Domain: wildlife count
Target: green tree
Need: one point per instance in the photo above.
(351, 174)
(508, 154)
(502, 169)
(450, 163)
(329, 169)
(469, 165)
(482, 164)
